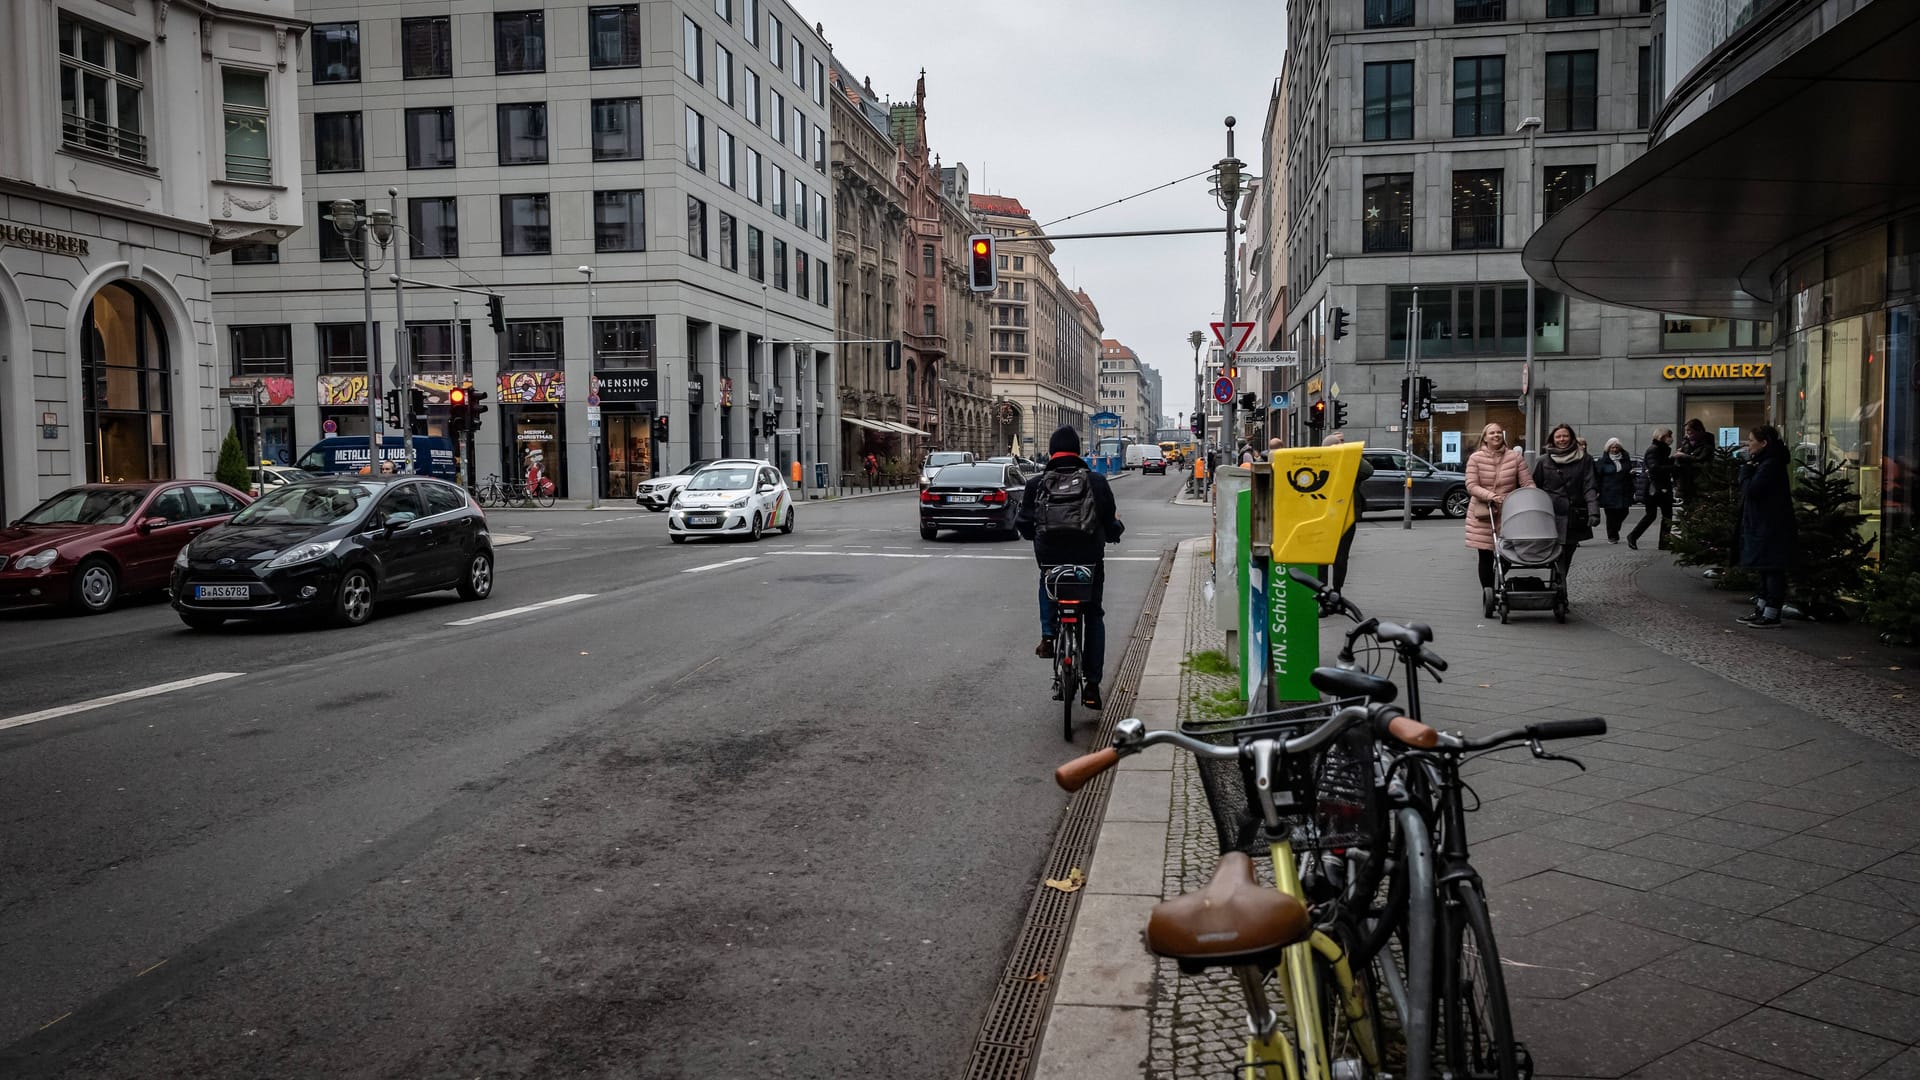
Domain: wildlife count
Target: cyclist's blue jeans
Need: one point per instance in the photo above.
(1093, 625)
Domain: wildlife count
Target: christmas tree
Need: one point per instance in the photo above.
(1708, 525)
(1830, 555)
(1893, 591)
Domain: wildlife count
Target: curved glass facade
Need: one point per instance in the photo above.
(1695, 28)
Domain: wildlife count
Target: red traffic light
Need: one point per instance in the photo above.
(457, 396)
(983, 274)
(980, 246)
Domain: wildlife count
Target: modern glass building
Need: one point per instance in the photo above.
(1782, 184)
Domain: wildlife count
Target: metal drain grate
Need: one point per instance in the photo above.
(1004, 1048)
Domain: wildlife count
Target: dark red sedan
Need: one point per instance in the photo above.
(89, 544)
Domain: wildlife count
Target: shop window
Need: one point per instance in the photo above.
(433, 228)
(1385, 13)
(1573, 90)
(1386, 212)
(1388, 91)
(619, 221)
(1477, 216)
(343, 348)
(426, 48)
(623, 343)
(1564, 183)
(101, 91)
(519, 42)
(336, 52)
(1479, 96)
(430, 138)
(337, 142)
(617, 131)
(522, 133)
(535, 344)
(262, 350)
(244, 106)
(613, 36)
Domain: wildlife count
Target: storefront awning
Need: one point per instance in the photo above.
(906, 429)
(874, 424)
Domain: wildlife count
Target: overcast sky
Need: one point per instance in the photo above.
(1068, 104)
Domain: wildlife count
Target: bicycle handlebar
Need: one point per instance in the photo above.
(1542, 731)
(1130, 737)
(1330, 601)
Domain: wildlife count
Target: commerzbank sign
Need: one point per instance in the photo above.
(1684, 372)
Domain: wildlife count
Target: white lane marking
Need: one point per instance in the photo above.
(115, 699)
(718, 565)
(492, 615)
(1133, 558)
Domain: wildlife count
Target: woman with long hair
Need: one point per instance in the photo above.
(1566, 472)
(1494, 470)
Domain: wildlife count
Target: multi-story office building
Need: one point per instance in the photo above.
(141, 138)
(969, 418)
(1129, 388)
(1044, 337)
(1408, 168)
(677, 148)
(1812, 229)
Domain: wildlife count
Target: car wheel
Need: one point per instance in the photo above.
(787, 528)
(478, 584)
(676, 538)
(755, 534)
(200, 620)
(353, 599)
(928, 532)
(1455, 503)
(96, 586)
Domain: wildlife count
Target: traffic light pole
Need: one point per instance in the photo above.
(468, 443)
(1229, 192)
(459, 379)
(1407, 410)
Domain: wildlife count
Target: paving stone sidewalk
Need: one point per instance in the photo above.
(1728, 891)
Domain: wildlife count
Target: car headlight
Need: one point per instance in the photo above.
(739, 503)
(308, 552)
(180, 560)
(39, 560)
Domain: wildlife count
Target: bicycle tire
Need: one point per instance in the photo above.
(546, 498)
(1069, 651)
(1478, 1024)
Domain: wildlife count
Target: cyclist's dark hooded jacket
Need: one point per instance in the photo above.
(1060, 550)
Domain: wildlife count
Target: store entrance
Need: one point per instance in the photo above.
(1727, 417)
(129, 387)
(629, 449)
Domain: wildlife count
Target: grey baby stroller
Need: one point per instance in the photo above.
(1527, 535)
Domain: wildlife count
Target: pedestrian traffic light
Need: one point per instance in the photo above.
(1317, 414)
(767, 422)
(476, 406)
(416, 401)
(1339, 414)
(496, 312)
(893, 355)
(983, 275)
(1339, 323)
(1423, 399)
(1198, 424)
(660, 428)
(393, 406)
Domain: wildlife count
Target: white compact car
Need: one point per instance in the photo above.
(657, 494)
(731, 497)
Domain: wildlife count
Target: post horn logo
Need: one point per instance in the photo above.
(1308, 482)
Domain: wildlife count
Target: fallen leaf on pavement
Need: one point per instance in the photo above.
(1037, 977)
(1486, 686)
(1073, 882)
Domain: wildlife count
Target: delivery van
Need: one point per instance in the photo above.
(432, 455)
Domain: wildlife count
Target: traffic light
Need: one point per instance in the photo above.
(983, 273)
(393, 407)
(660, 428)
(1339, 323)
(1249, 401)
(767, 423)
(476, 406)
(1317, 415)
(496, 312)
(1339, 414)
(416, 401)
(1423, 399)
(457, 408)
(1198, 424)
(893, 355)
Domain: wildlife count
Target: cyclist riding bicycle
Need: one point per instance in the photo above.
(1068, 513)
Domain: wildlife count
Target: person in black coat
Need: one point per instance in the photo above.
(1052, 549)
(1565, 472)
(1767, 532)
(1613, 472)
(1656, 470)
(1695, 450)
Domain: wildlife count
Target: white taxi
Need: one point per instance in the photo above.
(731, 497)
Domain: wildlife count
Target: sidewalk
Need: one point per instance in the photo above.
(1728, 891)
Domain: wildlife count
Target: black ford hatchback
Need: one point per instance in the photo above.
(330, 547)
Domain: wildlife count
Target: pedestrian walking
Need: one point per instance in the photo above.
(1493, 472)
(1766, 523)
(1614, 473)
(1339, 576)
(1695, 449)
(1654, 487)
(1566, 472)
(1247, 454)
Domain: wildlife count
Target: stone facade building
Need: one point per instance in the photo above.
(142, 138)
(969, 418)
(1129, 388)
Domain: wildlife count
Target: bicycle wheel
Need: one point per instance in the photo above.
(1350, 1023)
(546, 496)
(1479, 1028)
(1067, 654)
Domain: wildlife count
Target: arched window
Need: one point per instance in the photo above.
(910, 384)
(129, 388)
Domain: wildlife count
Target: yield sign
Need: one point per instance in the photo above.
(1232, 337)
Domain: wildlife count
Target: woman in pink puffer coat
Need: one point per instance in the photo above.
(1493, 471)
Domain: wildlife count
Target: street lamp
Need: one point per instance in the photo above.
(376, 228)
(1528, 127)
(593, 411)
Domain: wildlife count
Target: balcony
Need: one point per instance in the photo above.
(101, 138)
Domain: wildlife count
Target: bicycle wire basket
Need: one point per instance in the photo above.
(1328, 801)
(1074, 584)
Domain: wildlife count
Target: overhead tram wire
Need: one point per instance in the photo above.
(1118, 201)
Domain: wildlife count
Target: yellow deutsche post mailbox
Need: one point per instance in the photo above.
(1312, 501)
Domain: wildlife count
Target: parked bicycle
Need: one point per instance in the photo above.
(515, 493)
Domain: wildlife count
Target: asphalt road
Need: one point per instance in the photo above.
(769, 810)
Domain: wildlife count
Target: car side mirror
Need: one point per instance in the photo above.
(392, 522)
(147, 525)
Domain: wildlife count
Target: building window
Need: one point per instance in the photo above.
(523, 133)
(1386, 212)
(535, 344)
(819, 84)
(820, 270)
(1479, 96)
(433, 228)
(1473, 11)
(800, 204)
(431, 344)
(1566, 9)
(1476, 209)
(336, 52)
(619, 221)
(101, 91)
(723, 155)
(1382, 13)
(1688, 333)
(255, 254)
(750, 21)
(526, 227)
(729, 245)
(1477, 320)
(695, 44)
(1572, 91)
(696, 228)
(430, 138)
(333, 246)
(929, 321)
(426, 48)
(1020, 263)
(1643, 99)
(343, 348)
(753, 176)
(336, 142)
(696, 141)
(799, 71)
(820, 214)
(613, 36)
(519, 42)
(802, 276)
(779, 258)
(800, 134)
(1389, 100)
(1564, 183)
(751, 80)
(777, 192)
(927, 267)
(756, 265)
(249, 149)
(616, 130)
(623, 343)
(777, 116)
(776, 42)
(820, 150)
(722, 73)
(262, 350)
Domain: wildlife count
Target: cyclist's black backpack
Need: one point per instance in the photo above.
(1064, 504)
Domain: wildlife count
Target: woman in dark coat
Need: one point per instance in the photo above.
(1566, 472)
(1766, 522)
(1657, 468)
(1614, 473)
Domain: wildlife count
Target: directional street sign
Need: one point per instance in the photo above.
(1287, 358)
(1105, 419)
(1232, 336)
(786, 431)
(1223, 390)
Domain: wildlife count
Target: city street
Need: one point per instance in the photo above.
(728, 808)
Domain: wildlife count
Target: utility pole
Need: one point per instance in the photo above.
(403, 360)
(1227, 178)
(1406, 410)
(1529, 126)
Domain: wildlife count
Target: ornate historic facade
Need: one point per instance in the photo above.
(869, 216)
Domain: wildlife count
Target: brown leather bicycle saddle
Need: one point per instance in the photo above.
(1232, 920)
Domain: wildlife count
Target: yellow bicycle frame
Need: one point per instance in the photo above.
(1273, 1057)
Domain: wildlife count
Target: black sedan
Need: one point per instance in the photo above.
(972, 497)
(330, 547)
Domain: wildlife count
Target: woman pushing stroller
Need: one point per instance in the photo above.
(1565, 472)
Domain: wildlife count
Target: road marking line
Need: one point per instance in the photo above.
(115, 699)
(718, 565)
(492, 615)
(1133, 558)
